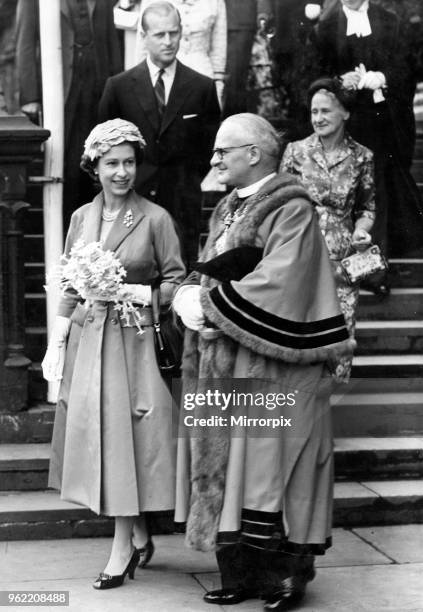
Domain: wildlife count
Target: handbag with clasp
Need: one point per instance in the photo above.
(362, 264)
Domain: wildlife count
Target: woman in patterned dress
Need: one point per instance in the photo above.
(338, 173)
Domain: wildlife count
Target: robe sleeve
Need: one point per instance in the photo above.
(287, 307)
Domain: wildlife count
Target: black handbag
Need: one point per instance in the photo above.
(168, 338)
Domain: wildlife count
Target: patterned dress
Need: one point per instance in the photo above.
(342, 191)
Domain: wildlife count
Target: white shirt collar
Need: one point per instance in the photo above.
(246, 192)
(358, 20)
(154, 70)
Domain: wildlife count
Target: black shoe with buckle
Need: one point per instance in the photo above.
(228, 597)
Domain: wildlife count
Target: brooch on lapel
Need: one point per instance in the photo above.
(128, 218)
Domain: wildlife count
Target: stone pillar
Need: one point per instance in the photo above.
(20, 140)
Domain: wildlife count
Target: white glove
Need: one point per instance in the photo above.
(312, 11)
(54, 359)
(372, 80)
(350, 80)
(186, 304)
(136, 293)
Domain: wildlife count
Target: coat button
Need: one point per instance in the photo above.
(114, 321)
(153, 192)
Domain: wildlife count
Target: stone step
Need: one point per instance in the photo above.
(402, 304)
(388, 366)
(389, 337)
(26, 515)
(377, 414)
(387, 385)
(406, 272)
(385, 502)
(367, 458)
(30, 426)
(36, 515)
(24, 467)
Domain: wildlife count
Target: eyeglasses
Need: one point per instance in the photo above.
(221, 152)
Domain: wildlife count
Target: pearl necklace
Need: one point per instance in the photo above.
(109, 216)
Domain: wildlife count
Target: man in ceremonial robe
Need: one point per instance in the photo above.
(264, 308)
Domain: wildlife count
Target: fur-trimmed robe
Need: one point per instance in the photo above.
(282, 316)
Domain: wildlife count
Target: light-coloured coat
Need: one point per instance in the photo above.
(106, 453)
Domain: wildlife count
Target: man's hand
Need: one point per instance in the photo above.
(187, 305)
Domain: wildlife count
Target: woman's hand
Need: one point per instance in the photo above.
(361, 239)
(54, 359)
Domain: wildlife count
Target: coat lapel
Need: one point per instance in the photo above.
(178, 93)
(144, 94)
(120, 230)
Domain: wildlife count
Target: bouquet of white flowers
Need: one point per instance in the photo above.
(96, 274)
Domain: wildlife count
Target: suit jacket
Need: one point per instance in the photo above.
(183, 140)
(106, 46)
(178, 149)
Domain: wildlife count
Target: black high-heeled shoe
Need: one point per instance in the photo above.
(105, 581)
(145, 553)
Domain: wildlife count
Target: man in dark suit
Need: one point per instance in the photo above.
(177, 112)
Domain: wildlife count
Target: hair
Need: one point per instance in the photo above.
(89, 165)
(346, 97)
(159, 8)
(260, 131)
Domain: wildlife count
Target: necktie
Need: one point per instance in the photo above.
(159, 90)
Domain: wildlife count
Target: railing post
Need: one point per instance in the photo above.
(20, 140)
